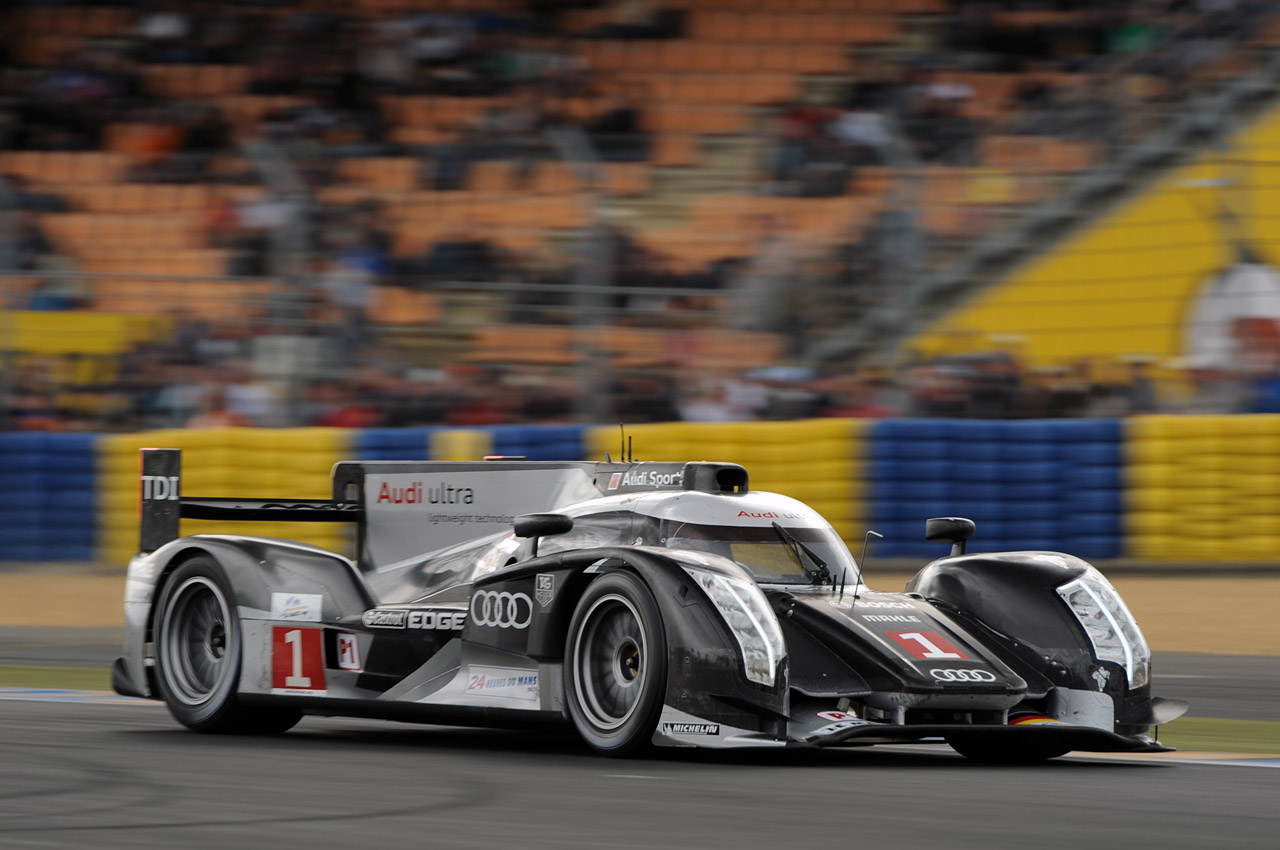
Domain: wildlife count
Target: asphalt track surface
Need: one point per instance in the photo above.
(93, 775)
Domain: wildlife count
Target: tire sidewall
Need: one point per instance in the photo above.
(217, 710)
(636, 733)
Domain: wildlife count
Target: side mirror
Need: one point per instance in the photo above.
(949, 529)
(542, 525)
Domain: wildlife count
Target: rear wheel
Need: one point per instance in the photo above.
(197, 646)
(616, 665)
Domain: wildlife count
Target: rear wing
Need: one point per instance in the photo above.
(402, 509)
(162, 506)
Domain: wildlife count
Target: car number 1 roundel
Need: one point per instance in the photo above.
(927, 645)
(297, 660)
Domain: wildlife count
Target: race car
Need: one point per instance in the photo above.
(644, 603)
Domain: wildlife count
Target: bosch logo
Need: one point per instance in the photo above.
(501, 610)
(963, 675)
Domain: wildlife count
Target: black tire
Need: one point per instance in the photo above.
(615, 672)
(1006, 752)
(198, 654)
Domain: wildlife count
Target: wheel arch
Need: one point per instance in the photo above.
(704, 675)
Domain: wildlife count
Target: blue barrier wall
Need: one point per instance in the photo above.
(48, 488)
(1028, 485)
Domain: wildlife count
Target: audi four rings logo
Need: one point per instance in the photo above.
(501, 609)
(963, 675)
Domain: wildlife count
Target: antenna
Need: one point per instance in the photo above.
(862, 561)
(630, 457)
(622, 443)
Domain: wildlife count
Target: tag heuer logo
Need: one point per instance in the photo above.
(545, 589)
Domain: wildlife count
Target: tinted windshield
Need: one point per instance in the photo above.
(763, 551)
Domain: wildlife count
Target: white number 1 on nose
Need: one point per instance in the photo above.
(931, 649)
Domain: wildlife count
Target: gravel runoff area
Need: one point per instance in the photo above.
(1181, 612)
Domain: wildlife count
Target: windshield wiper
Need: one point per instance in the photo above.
(819, 576)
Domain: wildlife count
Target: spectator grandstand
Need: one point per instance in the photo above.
(471, 212)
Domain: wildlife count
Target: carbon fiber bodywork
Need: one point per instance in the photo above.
(476, 631)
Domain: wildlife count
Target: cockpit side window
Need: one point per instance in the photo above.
(610, 529)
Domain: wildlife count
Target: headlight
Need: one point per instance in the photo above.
(747, 613)
(1111, 628)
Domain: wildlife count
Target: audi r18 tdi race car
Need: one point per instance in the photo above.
(643, 603)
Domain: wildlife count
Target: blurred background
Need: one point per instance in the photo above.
(472, 212)
(407, 219)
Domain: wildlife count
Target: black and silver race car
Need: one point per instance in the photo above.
(644, 603)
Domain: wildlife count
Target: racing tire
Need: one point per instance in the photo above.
(198, 654)
(615, 672)
(1006, 752)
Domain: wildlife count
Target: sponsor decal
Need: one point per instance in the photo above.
(160, 487)
(950, 675)
(545, 589)
(414, 494)
(502, 683)
(872, 603)
(1101, 675)
(773, 515)
(385, 618)
(296, 606)
(650, 478)
(297, 661)
(501, 610)
(691, 728)
(1031, 720)
(927, 645)
(446, 620)
(614, 481)
(348, 652)
(890, 618)
(840, 721)
(837, 716)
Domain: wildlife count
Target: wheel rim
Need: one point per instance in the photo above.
(196, 641)
(610, 662)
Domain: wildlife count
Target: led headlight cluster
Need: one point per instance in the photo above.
(747, 613)
(1111, 628)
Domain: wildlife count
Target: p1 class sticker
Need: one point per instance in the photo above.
(349, 652)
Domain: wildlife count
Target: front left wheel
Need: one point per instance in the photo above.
(197, 652)
(616, 665)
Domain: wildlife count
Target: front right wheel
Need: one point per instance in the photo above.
(616, 665)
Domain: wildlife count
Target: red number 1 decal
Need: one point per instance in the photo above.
(297, 659)
(927, 645)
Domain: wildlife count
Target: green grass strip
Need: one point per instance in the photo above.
(75, 678)
(1223, 736)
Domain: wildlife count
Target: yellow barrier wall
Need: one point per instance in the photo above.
(818, 461)
(1203, 488)
(1123, 285)
(287, 463)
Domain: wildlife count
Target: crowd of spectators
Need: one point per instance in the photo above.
(207, 375)
(333, 68)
